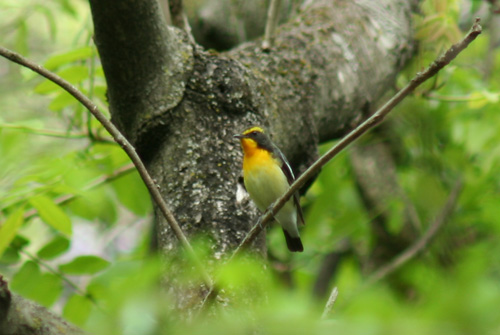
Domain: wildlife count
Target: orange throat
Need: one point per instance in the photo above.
(254, 156)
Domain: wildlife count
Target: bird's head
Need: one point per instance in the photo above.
(254, 138)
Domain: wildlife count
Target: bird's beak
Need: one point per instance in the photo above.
(238, 136)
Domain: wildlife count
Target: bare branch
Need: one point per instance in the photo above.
(55, 133)
(271, 23)
(126, 169)
(179, 18)
(330, 302)
(165, 8)
(369, 123)
(418, 246)
(122, 141)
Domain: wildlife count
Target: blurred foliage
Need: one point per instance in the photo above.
(74, 216)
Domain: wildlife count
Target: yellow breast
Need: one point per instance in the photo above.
(264, 179)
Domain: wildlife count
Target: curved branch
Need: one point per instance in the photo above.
(419, 245)
(122, 141)
(271, 23)
(371, 122)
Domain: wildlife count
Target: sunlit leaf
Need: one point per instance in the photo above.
(22, 37)
(477, 100)
(62, 100)
(73, 74)
(68, 57)
(52, 214)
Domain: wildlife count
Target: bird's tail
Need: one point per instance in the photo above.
(294, 244)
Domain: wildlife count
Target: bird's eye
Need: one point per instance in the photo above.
(254, 133)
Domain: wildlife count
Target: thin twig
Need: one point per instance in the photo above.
(449, 98)
(271, 24)
(369, 123)
(97, 182)
(60, 275)
(330, 302)
(165, 8)
(122, 141)
(418, 246)
(179, 18)
(64, 199)
(54, 133)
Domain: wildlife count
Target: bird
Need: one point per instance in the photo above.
(267, 175)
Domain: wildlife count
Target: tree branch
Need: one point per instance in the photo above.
(418, 246)
(331, 301)
(122, 141)
(179, 18)
(56, 133)
(271, 23)
(126, 169)
(371, 122)
(326, 63)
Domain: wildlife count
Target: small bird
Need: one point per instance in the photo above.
(267, 176)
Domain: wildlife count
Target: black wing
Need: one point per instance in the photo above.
(287, 170)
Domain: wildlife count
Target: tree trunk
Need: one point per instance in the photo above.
(180, 105)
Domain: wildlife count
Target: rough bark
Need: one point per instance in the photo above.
(180, 105)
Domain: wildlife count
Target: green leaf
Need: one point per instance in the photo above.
(52, 214)
(9, 229)
(21, 42)
(84, 265)
(68, 57)
(95, 204)
(10, 256)
(73, 74)
(44, 288)
(77, 309)
(19, 242)
(54, 248)
(132, 193)
(62, 100)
